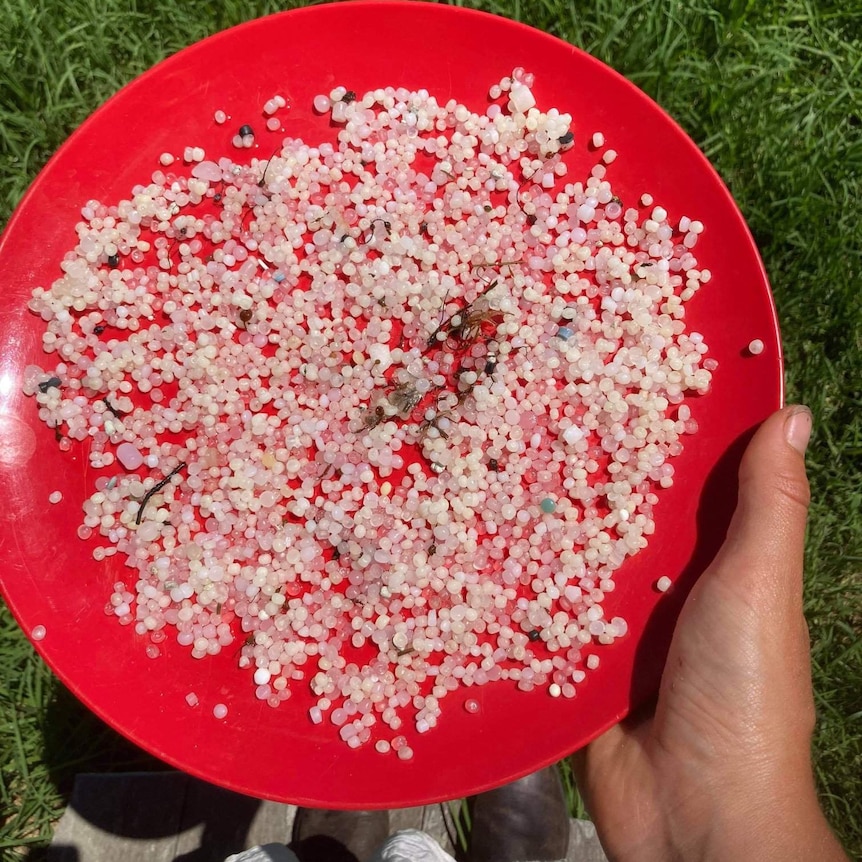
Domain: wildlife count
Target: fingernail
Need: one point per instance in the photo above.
(797, 428)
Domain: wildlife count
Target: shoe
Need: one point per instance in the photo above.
(321, 835)
(527, 819)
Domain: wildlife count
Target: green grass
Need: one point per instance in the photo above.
(771, 92)
(47, 737)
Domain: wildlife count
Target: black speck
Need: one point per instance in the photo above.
(567, 139)
(51, 383)
(493, 465)
(490, 366)
(245, 131)
(348, 97)
(534, 635)
(117, 414)
(217, 197)
(531, 219)
(113, 261)
(99, 329)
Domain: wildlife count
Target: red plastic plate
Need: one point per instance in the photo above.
(49, 577)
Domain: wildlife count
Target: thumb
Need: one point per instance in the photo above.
(742, 632)
(739, 656)
(762, 555)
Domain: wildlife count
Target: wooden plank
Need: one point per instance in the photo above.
(584, 844)
(434, 823)
(133, 817)
(217, 823)
(272, 824)
(405, 818)
(171, 817)
(162, 817)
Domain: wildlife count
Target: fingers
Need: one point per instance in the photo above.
(746, 611)
(764, 547)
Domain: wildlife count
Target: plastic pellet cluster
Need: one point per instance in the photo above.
(390, 412)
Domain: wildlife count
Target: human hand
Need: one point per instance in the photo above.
(722, 769)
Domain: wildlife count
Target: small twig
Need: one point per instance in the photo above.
(387, 226)
(117, 414)
(155, 490)
(262, 180)
(465, 310)
(500, 265)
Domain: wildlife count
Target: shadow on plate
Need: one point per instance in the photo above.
(715, 509)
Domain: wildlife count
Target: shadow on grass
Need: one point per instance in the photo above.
(153, 802)
(77, 741)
